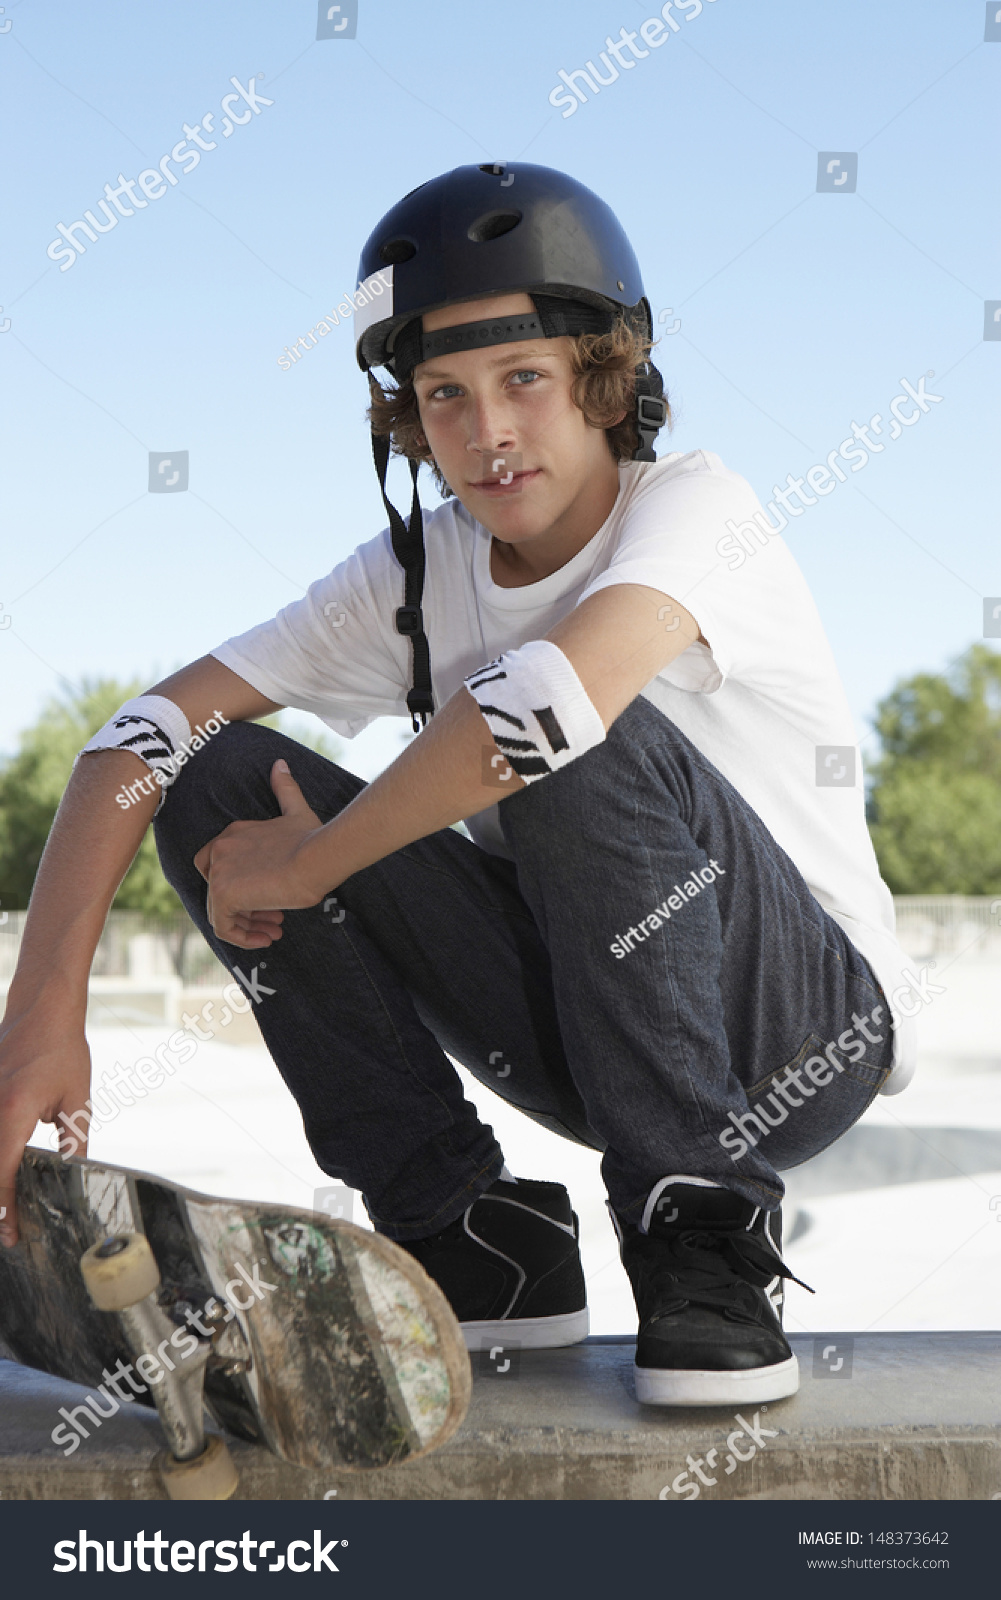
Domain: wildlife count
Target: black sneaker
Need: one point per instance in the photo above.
(510, 1267)
(707, 1280)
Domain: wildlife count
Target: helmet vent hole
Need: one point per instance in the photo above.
(493, 225)
(396, 250)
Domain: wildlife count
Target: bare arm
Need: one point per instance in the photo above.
(617, 641)
(44, 1060)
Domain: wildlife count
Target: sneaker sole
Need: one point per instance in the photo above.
(531, 1333)
(657, 1386)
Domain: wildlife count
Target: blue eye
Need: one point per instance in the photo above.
(435, 393)
(527, 373)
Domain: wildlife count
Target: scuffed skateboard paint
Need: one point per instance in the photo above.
(356, 1359)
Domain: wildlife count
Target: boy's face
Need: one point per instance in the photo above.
(504, 400)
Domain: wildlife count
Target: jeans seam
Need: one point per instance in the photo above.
(395, 1032)
(884, 1073)
(806, 1049)
(644, 766)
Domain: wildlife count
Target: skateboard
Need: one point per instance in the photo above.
(325, 1342)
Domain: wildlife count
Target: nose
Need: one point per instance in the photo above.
(490, 429)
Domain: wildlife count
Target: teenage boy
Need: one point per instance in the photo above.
(674, 938)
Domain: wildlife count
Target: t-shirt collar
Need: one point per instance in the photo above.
(573, 574)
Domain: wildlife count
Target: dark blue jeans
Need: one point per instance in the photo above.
(508, 967)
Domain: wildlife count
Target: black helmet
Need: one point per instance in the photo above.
(472, 233)
(479, 231)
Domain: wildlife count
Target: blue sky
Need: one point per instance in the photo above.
(800, 312)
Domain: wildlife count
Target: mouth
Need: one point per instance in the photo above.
(499, 488)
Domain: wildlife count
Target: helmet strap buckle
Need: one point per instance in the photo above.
(651, 409)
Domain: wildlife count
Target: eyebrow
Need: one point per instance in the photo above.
(437, 373)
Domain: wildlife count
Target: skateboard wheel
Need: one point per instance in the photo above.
(210, 1476)
(120, 1271)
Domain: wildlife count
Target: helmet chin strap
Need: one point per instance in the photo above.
(408, 548)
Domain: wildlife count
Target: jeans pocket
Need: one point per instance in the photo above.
(805, 1105)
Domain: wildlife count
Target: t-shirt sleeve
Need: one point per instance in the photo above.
(677, 536)
(335, 652)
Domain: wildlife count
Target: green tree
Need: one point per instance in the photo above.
(32, 784)
(935, 802)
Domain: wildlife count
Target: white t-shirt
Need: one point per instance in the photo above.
(757, 702)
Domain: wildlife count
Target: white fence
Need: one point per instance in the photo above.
(949, 924)
(143, 967)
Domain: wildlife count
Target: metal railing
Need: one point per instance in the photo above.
(949, 924)
(141, 949)
(133, 946)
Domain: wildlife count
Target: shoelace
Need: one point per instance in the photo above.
(703, 1263)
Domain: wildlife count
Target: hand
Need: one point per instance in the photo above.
(44, 1070)
(255, 870)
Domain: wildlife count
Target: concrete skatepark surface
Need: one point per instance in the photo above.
(897, 1228)
(919, 1418)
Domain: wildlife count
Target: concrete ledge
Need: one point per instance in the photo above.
(919, 1419)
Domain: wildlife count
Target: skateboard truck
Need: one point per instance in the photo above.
(121, 1275)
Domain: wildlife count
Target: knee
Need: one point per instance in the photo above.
(225, 781)
(227, 761)
(617, 792)
(556, 808)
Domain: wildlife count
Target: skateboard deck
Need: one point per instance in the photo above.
(327, 1343)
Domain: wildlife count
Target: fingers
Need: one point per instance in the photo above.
(263, 921)
(290, 797)
(8, 1218)
(74, 1131)
(251, 930)
(203, 860)
(254, 930)
(16, 1135)
(247, 941)
(18, 1128)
